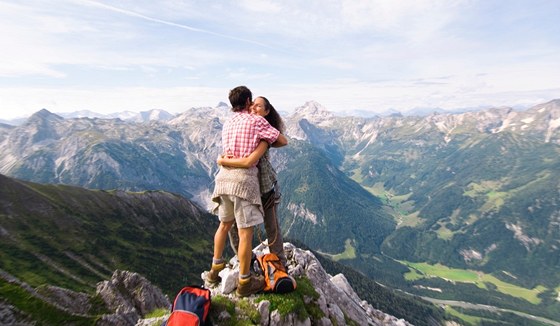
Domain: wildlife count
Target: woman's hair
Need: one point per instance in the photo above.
(273, 117)
(238, 98)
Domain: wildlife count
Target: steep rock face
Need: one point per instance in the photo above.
(336, 292)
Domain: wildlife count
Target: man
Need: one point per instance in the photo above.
(237, 191)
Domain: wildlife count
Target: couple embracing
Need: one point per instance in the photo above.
(245, 194)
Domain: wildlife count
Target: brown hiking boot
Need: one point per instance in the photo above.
(250, 286)
(212, 276)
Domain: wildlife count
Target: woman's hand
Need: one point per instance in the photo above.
(222, 158)
(244, 162)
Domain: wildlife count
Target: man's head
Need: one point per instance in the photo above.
(240, 98)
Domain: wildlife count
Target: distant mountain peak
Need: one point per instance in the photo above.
(314, 107)
(154, 114)
(551, 105)
(312, 111)
(201, 115)
(45, 115)
(222, 105)
(42, 113)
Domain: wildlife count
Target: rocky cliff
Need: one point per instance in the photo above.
(330, 300)
(128, 298)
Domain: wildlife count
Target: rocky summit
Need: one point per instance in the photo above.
(334, 300)
(128, 297)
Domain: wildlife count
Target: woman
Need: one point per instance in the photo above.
(270, 194)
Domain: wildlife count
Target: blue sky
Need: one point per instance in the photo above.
(348, 55)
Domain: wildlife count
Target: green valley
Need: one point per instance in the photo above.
(480, 279)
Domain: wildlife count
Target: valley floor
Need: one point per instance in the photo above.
(469, 305)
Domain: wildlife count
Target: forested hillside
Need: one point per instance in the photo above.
(88, 234)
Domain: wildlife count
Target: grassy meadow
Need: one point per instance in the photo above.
(480, 279)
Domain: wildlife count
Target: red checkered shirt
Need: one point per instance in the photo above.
(243, 132)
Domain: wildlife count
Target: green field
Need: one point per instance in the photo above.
(471, 320)
(348, 253)
(398, 206)
(480, 279)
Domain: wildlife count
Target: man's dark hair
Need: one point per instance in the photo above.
(238, 98)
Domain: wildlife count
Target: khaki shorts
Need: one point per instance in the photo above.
(243, 212)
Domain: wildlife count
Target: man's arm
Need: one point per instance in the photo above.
(269, 133)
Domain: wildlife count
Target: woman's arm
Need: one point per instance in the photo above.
(280, 141)
(245, 162)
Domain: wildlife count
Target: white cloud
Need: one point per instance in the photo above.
(334, 63)
(264, 6)
(364, 54)
(40, 43)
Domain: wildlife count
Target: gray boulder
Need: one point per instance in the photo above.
(131, 297)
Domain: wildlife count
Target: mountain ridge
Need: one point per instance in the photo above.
(70, 213)
(472, 190)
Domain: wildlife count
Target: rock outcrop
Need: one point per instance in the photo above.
(337, 298)
(131, 297)
(127, 298)
(338, 302)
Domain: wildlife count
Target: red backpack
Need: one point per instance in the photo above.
(190, 308)
(276, 278)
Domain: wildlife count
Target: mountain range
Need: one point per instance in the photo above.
(472, 191)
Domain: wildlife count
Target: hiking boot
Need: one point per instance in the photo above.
(212, 276)
(250, 286)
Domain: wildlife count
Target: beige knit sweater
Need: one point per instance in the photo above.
(240, 182)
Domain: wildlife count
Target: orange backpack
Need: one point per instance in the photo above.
(276, 278)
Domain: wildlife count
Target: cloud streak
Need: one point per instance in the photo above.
(169, 23)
